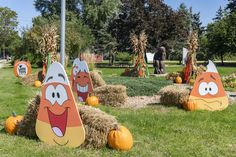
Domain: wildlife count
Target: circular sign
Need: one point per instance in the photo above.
(22, 68)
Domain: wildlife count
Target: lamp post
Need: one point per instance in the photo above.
(63, 23)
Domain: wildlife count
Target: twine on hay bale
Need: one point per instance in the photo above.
(97, 79)
(174, 95)
(97, 124)
(111, 95)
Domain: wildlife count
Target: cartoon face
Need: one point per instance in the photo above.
(22, 68)
(58, 121)
(208, 92)
(81, 80)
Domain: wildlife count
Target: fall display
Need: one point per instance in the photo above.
(208, 91)
(97, 124)
(58, 121)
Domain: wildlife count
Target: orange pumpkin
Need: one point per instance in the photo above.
(22, 68)
(120, 139)
(190, 106)
(92, 101)
(11, 123)
(178, 80)
(37, 84)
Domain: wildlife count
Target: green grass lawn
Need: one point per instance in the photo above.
(157, 130)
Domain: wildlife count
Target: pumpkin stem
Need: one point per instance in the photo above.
(14, 114)
(116, 127)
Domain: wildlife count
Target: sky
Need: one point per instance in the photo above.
(26, 11)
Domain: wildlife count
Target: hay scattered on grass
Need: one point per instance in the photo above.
(96, 122)
(174, 95)
(97, 79)
(111, 95)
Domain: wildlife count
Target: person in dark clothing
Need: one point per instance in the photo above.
(158, 61)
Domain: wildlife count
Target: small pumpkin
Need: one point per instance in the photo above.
(191, 82)
(178, 80)
(11, 123)
(37, 83)
(92, 101)
(120, 139)
(190, 106)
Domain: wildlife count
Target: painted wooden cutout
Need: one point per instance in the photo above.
(208, 92)
(58, 121)
(22, 68)
(81, 79)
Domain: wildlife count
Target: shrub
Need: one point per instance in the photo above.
(123, 56)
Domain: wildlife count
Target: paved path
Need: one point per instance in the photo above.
(2, 63)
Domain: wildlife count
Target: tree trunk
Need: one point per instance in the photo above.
(222, 58)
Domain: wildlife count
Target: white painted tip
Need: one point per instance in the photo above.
(211, 67)
(56, 74)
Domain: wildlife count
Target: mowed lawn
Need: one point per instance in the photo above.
(157, 130)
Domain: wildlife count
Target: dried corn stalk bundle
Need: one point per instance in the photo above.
(139, 45)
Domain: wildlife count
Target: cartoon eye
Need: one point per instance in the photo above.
(203, 89)
(50, 94)
(61, 94)
(213, 88)
(75, 71)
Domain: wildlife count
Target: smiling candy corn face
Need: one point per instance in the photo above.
(58, 121)
(81, 79)
(208, 91)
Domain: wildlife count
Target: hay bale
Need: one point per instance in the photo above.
(174, 95)
(27, 126)
(30, 79)
(97, 79)
(96, 122)
(111, 95)
(97, 126)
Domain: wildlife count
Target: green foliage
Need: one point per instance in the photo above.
(221, 35)
(9, 40)
(78, 36)
(123, 56)
(139, 86)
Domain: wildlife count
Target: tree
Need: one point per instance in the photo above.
(8, 33)
(217, 39)
(52, 7)
(94, 13)
(78, 36)
(231, 6)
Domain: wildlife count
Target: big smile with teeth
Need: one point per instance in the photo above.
(58, 122)
(82, 89)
